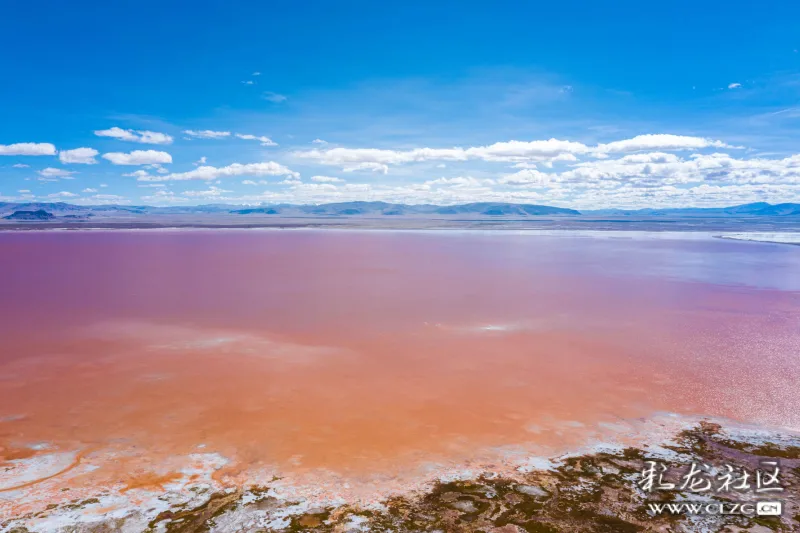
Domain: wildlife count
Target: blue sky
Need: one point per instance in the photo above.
(577, 104)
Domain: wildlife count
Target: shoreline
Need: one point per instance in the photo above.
(543, 223)
(554, 492)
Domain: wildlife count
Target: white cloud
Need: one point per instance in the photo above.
(138, 157)
(89, 190)
(265, 141)
(274, 97)
(27, 149)
(658, 170)
(460, 182)
(236, 169)
(350, 157)
(305, 187)
(544, 151)
(62, 194)
(158, 168)
(660, 142)
(21, 165)
(501, 151)
(527, 177)
(527, 150)
(319, 141)
(51, 172)
(256, 73)
(24, 191)
(326, 179)
(734, 85)
(251, 182)
(655, 179)
(249, 82)
(85, 156)
(211, 192)
(137, 174)
(652, 157)
(161, 196)
(374, 167)
(207, 134)
(201, 161)
(137, 136)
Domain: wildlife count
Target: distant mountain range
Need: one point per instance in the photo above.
(39, 214)
(332, 209)
(60, 210)
(754, 209)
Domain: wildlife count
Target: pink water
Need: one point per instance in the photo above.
(369, 354)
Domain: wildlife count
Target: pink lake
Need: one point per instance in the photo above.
(376, 357)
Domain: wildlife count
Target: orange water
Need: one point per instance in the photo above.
(375, 354)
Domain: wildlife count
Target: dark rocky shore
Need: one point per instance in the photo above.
(600, 492)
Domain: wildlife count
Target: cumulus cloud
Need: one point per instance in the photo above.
(544, 151)
(89, 190)
(527, 150)
(734, 85)
(265, 141)
(21, 165)
(138, 157)
(137, 136)
(658, 170)
(350, 157)
(527, 177)
(326, 179)
(62, 194)
(502, 151)
(319, 141)
(660, 142)
(374, 167)
(207, 173)
(27, 149)
(137, 174)
(630, 180)
(300, 186)
(161, 196)
(51, 172)
(84, 156)
(207, 134)
(201, 161)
